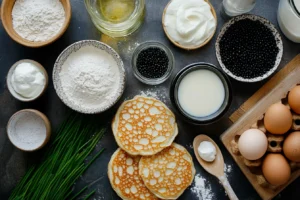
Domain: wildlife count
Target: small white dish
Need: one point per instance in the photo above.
(10, 87)
(58, 67)
(29, 130)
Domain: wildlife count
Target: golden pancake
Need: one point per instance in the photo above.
(168, 173)
(144, 126)
(124, 177)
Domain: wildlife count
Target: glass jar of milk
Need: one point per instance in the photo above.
(289, 19)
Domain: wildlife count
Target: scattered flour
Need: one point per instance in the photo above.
(160, 94)
(201, 188)
(189, 146)
(38, 20)
(227, 170)
(132, 47)
(90, 78)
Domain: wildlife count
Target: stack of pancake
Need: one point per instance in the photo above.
(148, 165)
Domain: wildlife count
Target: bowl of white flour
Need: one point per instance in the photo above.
(89, 76)
(35, 23)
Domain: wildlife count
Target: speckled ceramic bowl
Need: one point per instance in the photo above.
(58, 68)
(277, 37)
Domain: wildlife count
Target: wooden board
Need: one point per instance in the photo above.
(253, 110)
(264, 90)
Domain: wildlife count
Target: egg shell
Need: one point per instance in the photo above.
(294, 99)
(276, 169)
(291, 146)
(253, 144)
(278, 119)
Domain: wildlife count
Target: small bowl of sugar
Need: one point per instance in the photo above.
(29, 130)
(27, 80)
(45, 20)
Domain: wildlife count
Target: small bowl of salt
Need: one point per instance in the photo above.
(27, 80)
(29, 130)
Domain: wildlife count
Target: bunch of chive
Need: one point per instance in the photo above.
(62, 164)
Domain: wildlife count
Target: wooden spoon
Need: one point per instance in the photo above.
(215, 168)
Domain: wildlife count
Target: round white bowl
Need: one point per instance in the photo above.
(10, 87)
(58, 67)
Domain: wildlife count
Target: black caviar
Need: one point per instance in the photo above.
(152, 62)
(248, 49)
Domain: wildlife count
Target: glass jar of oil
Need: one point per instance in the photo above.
(116, 18)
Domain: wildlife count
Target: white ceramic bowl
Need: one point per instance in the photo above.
(277, 37)
(29, 140)
(10, 87)
(58, 84)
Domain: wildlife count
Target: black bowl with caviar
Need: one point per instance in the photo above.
(152, 63)
(227, 93)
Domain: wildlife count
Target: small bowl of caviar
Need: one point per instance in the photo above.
(152, 63)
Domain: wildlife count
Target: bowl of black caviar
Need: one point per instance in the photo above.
(152, 63)
(249, 48)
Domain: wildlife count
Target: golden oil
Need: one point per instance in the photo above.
(116, 11)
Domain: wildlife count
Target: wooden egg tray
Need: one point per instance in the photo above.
(276, 90)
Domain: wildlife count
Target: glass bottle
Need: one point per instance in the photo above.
(231, 8)
(288, 17)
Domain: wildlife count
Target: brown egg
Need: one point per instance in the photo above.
(276, 169)
(278, 119)
(294, 99)
(291, 146)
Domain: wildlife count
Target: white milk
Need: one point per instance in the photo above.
(201, 93)
(289, 20)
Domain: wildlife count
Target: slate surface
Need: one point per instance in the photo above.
(13, 162)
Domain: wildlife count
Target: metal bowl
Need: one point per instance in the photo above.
(58, 68)
(207, 119)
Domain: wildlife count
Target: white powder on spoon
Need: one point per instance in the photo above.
(38, 20)
(90, 78)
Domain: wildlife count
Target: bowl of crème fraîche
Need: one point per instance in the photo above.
(189, 24)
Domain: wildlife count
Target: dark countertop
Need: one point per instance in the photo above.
(13, 162)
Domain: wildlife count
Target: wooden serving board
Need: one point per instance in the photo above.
(253, 110)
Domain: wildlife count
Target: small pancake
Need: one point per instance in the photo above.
(144, 126)
(168, 173)
(124, 177)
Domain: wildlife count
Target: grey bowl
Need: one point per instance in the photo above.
(58, 67)
(277, 37)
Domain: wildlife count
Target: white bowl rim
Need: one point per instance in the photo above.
(9, 84)
(57, 68)
(277, 38)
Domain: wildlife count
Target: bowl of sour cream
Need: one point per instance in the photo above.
(201, 93)
(27, 80)
(189, 24)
